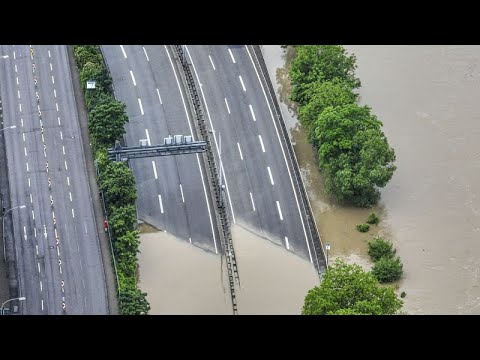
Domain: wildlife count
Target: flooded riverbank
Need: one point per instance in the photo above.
(427, 99)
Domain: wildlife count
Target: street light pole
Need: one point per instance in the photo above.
(3, 305)
(327, 246)
(3, 227)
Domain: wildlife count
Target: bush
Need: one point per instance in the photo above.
(363, 227)
(373, 219)
(387, 269)
(378, 247)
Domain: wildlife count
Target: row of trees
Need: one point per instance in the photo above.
(106, 123)
(354, 154)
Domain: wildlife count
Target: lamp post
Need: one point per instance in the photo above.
(3, 305)
(327, 246)
(3, 227)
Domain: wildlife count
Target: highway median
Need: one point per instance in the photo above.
(106, 124)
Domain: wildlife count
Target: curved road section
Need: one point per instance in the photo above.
(259, 184)
(57, 253)
(172, 190)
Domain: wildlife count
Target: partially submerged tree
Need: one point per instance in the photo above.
(348, 289)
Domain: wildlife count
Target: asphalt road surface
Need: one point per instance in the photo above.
(259, 183)
(57, 247)
(172, 190)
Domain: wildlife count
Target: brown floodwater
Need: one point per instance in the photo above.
(182, 279)
(427, 99)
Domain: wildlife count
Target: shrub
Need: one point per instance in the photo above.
(378, 247)
(363, 227)
(387, 269)
(373, 219)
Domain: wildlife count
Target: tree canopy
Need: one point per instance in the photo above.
(133, 301)
(320, 63)
(354, 154)
(118, 184)
(348, 289)
(106, 122)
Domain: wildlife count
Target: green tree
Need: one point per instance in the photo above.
(387, 269)
(87, 53)
(122, 219)
(323, 94)
(97, 73)
(348, 289)
(126, 246)
(320, 63)
(106, 123)
(353, 153)
(378, 247)
(133, 302)
(118, 185)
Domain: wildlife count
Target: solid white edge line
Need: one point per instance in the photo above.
(214, 136)
(253, 204)
(198, 159)
(279, 210)
(283, 152)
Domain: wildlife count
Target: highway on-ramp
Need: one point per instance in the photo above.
(57, 249)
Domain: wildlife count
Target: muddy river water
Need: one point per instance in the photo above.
(428, 100)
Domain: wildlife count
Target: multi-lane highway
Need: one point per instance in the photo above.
(259, 184)
(57, 247)
(172, 191)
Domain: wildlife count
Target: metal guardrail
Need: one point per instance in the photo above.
(316, 242)
(224, 228)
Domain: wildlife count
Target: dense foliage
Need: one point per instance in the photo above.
(388, 269)
(349, 290)
(354, 154)
(378, 247)
(106, 121)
